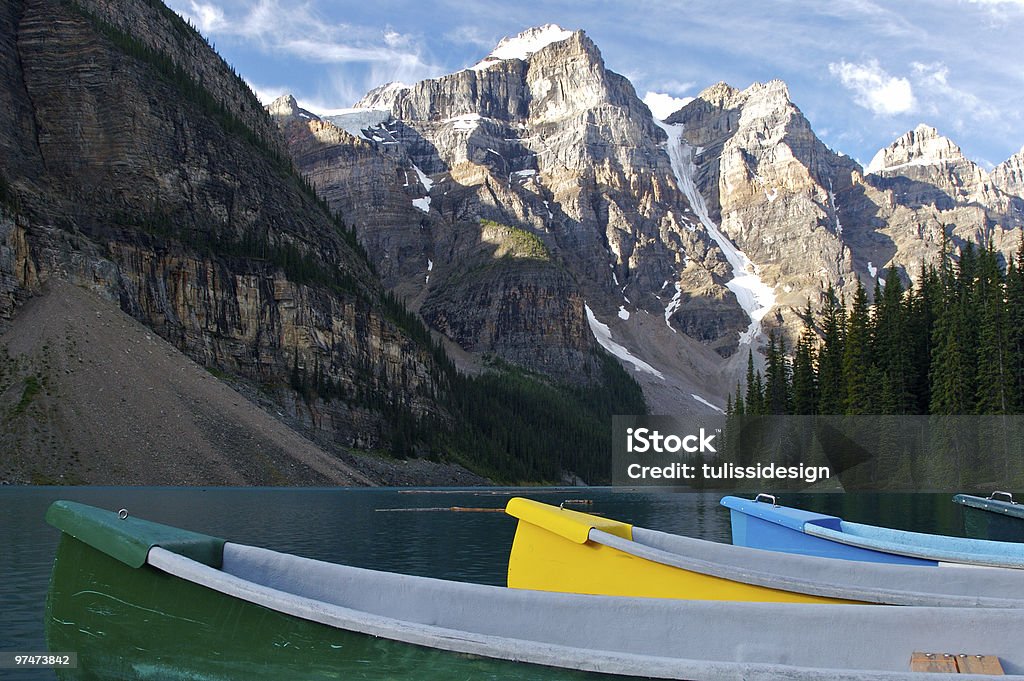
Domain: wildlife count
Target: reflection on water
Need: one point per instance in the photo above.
(376, 529)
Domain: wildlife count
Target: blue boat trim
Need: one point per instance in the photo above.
(793, 518)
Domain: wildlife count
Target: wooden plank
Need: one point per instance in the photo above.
(946, 663)
(933, 662)
(979, 664)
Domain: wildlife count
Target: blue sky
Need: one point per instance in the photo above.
(862, 71)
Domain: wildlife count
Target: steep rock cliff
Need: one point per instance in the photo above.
(524, 309)
(809, 218)
(773, 187)
(547, 138)
(1009, 175)
(542, 138)
(920, 187)
(136, 163)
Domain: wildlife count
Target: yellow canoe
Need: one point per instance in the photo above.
(558, 549)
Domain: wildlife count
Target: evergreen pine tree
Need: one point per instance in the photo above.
(920, 315)
(755, 391)
(859, 397)
(737, 403)
(831, 390)
(776, 376)
(1015, 325)
(805, 384)
(994, 392)
(757, 407)
(890, 344)
(952, 388)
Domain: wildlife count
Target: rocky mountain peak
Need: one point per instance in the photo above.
(1009, 175)
(721, 94)
(772, 89)
(522, 46)
(382, 97)
(285, 107)
(922, 146)
(762, 115)
(545, 73)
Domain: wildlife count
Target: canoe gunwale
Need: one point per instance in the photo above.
(1011, 509)
(818, 588)
(939, 555)
(832, 578)
(513, 649)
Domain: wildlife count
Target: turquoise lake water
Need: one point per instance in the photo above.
(409, 531)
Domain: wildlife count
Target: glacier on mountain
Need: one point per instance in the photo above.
(754, 296)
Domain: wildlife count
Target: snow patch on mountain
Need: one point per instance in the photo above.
(672, 306)
(355, 120)
(424, 180)
(705, 402)
(468, 121)
(523, 45)
(423, 203)
(603, 335)
(753, 295)
(835, 207)
(382, 97)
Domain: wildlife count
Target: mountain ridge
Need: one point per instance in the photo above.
(177, 202)
(562, 148)
(807, 217)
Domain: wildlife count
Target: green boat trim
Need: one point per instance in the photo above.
(994, 518)
(1007, 507)
(130, 539)
(175, 617)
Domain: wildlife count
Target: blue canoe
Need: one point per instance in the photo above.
(761, 523)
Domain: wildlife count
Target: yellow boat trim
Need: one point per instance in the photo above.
(552, 552)
(572, 525)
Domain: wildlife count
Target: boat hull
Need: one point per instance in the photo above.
(791, 530)
(991, 518)
(545, 561)
(558, 549)
(132, 624)
(757, 533)
(251, 613)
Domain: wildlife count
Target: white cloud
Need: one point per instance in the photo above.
(206, 17)
(663, 106)
(1019, 4)
(942, 98)
(299, 30)
(874, 88)
(471, 35)
(267, 93)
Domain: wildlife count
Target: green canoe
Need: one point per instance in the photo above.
(997, 517)
(138, 600)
